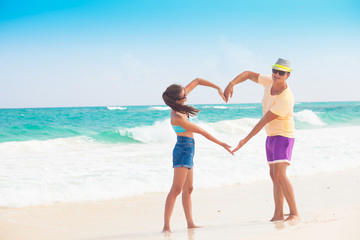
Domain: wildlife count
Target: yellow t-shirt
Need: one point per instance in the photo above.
(281, 105)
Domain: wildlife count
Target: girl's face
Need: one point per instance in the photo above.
(183, 97)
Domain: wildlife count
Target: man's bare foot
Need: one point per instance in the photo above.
(166, 230)
(277, 219)
(192, 225)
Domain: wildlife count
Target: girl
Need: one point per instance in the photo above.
(175, 97)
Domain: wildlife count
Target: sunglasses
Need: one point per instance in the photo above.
(185, 95)
(281, 73)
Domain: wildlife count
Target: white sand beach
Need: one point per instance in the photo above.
(329, 205)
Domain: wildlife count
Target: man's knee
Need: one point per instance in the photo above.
(279, 176)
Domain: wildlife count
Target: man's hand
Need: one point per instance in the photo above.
(241, 143)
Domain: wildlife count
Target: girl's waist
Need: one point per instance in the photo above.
(184, 139)
(188, 134)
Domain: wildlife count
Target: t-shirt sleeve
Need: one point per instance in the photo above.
(264, 80)
(282, 107)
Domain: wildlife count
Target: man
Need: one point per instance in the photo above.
(278, 104)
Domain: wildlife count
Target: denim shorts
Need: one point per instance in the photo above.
(279, 149)
(183, 153)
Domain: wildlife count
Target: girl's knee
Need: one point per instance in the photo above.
(188, 190)
(175, 191)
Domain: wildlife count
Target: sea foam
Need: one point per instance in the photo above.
(116, 108)
(216, 107)
(160, 108)
(310, 117)
(81, 169)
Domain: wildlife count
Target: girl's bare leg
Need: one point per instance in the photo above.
(186, 199)
(180, 175)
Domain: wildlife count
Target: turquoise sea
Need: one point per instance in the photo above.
(114, 124)
(52, 155)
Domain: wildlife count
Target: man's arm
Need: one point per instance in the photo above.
(239, 79)
(268, 117)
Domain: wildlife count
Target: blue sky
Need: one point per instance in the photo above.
(116, 53)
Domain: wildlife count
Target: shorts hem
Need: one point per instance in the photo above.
(187, 166)
(280, 161)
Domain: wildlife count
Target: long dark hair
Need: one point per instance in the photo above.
(171, 95)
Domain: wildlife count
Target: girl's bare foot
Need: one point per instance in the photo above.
(293, 217)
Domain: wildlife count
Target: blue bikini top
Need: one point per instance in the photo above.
(179, 129)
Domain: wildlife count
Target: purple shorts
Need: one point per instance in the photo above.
(279, 149)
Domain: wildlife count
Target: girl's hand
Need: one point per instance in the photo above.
(221, 94)
(241, 143)
(229, 90)
(227, 147)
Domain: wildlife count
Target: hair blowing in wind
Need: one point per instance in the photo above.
(172, 95)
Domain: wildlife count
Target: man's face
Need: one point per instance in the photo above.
(279, 76)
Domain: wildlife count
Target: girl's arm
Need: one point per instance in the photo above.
(203, 82)
(242, 77)
(268, 117)
(177, 120)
